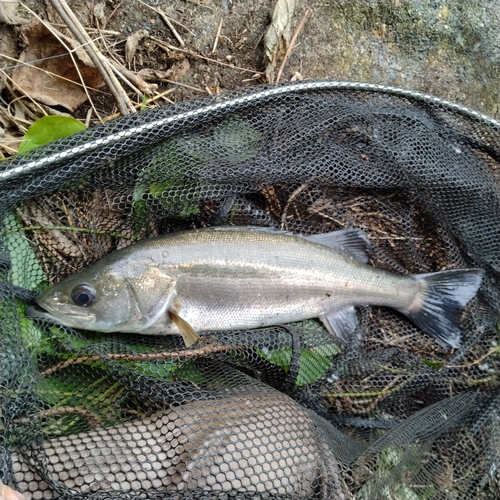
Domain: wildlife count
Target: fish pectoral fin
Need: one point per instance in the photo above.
(188, 334)
(341, 323)
(351, 240)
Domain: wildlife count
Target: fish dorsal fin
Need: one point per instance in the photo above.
(351, 240)
(341, 324)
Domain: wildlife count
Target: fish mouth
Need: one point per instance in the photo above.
(38, 311)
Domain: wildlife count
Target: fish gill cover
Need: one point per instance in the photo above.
(286, 411)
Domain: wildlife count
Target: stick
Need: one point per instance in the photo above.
(122, 101)
(186, 354)
(219, 29)
(171, 26)
(291, 45)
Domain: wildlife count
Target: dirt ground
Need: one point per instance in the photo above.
(446, 48)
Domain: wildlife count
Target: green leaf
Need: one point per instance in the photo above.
(26, 271)
(170, 176)
(49, 129)
(433, 364)
(314, 362)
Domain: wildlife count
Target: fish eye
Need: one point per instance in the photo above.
(83, 295)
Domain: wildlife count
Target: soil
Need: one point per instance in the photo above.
(446, 48)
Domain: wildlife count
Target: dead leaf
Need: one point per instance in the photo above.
(8, 13)
(99, 13)
(179, 69)
(132, 43)
(8, 50)
(297, 76)
(134, 78)
(9, 143)
(154, 75)
(175, 73)
(277, 36)
(52, 84)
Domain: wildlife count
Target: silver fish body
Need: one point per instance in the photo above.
(243, 278)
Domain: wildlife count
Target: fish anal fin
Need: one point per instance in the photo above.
(341, 324)
(351, 240)
(186, 330)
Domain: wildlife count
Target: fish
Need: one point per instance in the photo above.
(8, 493)
(210, 447)
(237, 278)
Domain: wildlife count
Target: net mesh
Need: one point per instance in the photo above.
(278, 412)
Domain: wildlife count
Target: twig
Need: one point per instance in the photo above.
(92, 419)
(166, 47)
(88, 117)
(171, 26)
(187, 354)
(181, 25)
(112, 14)
(168, 22)
(291, 45)
(102, 64)
(98, 30)
(478, 360)
(183, 85)
(289, 201)
(219, 29)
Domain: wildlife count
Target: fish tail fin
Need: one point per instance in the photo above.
(436, 308)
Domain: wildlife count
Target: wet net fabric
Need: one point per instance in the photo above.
(280, 412)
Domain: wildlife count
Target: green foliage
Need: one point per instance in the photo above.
(26, 271)
(433, 364)
(314, 361)
(170, 178)
(387, 482)
(49, 129)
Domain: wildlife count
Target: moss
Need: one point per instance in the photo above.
(428, 44)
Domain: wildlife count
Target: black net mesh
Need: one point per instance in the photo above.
(278, 412)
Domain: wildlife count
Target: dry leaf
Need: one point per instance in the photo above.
(8, 13)
(99, 13)
(175, 73)
(179, 69)
(43, 84)
(154, 75)
(9, 143)
(132, 43)
(278, 35)
(136, 80)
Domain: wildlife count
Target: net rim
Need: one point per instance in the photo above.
(33, 166)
